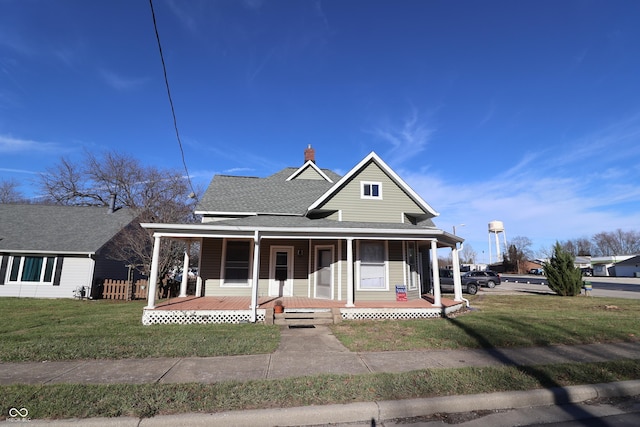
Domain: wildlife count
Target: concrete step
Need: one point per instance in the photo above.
(305, 315)
(299, 322)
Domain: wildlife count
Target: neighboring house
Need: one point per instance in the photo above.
(629, 267)
(308, 232)
(605, 265)
(49, 251)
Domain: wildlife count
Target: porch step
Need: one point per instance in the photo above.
(301, 317)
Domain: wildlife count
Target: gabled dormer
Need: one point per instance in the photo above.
(372, 192)
(309, 170)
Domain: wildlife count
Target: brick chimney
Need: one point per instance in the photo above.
(309, 154)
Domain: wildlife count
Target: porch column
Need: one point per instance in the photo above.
(437, 299)
(153, 275)
(255, 277)
(457, 282)
(185, 271)
(198, 276)
(350, 273)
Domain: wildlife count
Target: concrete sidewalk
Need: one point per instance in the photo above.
(316, 351)
(302, 352)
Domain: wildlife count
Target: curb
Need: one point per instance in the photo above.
(371, 411)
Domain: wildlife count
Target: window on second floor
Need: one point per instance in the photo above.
(371, 190)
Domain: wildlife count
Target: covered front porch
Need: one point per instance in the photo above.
(238, 309)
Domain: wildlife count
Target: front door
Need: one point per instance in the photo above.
(324, 260)
(281, 271)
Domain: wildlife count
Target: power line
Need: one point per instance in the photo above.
(173, 112)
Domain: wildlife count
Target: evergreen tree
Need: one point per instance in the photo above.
(564, 278)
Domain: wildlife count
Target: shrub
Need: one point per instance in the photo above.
(564, 278)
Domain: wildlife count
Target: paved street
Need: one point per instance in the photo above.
(613, 287)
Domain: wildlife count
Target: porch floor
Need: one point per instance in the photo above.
(243, 303)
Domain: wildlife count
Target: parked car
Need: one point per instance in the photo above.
(587, 271)
(486, 278)
(537, 271)
(470, 285)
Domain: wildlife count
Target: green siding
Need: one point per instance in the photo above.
(391, 208)
(309, 173)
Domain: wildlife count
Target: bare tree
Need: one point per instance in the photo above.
(578, 247)
(617, 242)
(153, 194)
(10, 193)
(468, 255)
(523, 244)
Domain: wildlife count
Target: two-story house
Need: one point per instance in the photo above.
(363, 242)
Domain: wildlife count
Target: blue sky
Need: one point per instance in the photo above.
(526, 112)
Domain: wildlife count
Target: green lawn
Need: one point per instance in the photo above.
(65, 329)
(39, 329)
(504, 321)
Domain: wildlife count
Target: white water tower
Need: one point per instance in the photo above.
(495, 228)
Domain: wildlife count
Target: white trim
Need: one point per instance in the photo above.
(223, 263)
(290, 270)
(339, 243)
(43, 269)
(199, 230)
(385, 265)
(399, 181)
(410, 277)
(317, 249)
(371, 184)
(308, 164)
(21, 252)
(309, 281)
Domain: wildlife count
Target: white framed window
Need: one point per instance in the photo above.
(31, 269)
(236, 271)
(371, 190)
(412, 265)
(373, 266)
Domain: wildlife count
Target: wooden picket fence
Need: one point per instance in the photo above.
(125, 289)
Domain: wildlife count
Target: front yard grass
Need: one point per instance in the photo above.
(503, 321)
(57, 329)
(40, 329)
(65, 329)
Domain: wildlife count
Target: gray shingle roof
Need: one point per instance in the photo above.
(273, 194)
(297, 221)
(58, 229)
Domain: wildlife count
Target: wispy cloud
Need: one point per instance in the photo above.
(23, 171)
(119, 82)
(576, 190)
(406, 140)
(187, 17)
(9, 144)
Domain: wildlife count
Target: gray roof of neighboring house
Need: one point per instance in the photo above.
(273, 194)
(631, 261)
(61, 229)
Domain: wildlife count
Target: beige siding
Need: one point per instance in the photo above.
(211, 268)
(390, 208)
(309, 173)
